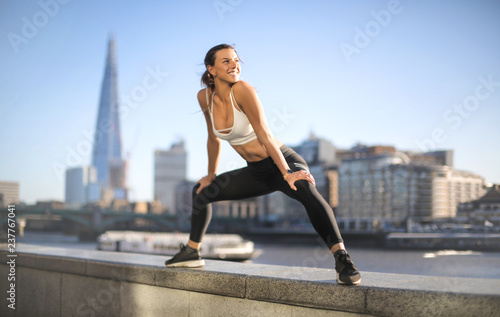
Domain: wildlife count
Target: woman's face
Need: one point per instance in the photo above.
(226, 66)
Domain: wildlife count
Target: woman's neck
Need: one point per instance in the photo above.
(222, 89)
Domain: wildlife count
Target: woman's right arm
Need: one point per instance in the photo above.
(213, 145)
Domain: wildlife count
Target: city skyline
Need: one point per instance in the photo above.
(370, 72)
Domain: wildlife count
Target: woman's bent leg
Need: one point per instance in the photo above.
(237, 184)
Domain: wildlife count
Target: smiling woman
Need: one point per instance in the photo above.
(233, 112)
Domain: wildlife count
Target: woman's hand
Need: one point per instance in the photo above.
(204, 182)
(298, 175)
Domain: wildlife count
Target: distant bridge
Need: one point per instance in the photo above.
(92, 219)
(101, 220)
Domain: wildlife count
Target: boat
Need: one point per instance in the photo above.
(230, 247)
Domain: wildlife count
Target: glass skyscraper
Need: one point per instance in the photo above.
(107, 152)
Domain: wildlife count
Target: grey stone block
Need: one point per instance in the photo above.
(208, 305)
(88, 296)
(150, 301)
(307, 293)
(398, 302)
(38, 293)
(26, 260)
(426, 283)
(242, 268)
(131, 258)
(4, 287)
(308, 312)
(120, 272)
(199, 280)
(60, 264)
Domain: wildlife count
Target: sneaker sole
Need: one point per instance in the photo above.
(344, 283)
(193, 263)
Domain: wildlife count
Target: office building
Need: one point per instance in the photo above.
(9, 193)
(387, 187)
(81, 186)
(170, 170)
(316, 151)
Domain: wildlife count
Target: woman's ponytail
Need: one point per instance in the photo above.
(207, 80)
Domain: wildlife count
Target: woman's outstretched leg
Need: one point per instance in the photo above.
(323, 220)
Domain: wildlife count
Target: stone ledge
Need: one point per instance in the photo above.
(380, 294)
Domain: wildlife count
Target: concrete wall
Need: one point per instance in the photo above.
(64, 282)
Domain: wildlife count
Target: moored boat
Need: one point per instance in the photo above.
(215, 246)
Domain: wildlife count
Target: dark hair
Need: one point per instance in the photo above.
(206, 79)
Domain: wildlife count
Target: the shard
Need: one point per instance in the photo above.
(107, 152)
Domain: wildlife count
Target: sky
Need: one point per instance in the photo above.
(417, 75)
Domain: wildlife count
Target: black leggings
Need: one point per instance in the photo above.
(260, 178)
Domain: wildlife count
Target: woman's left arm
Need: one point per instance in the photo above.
(251, 105)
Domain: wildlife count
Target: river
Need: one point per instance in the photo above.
(473, 264)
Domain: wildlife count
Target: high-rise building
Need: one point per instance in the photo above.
(81, 186)
(107, 152)
(9, 193)
(170, 170)
(316, 150)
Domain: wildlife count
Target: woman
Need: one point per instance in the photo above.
(234, 113)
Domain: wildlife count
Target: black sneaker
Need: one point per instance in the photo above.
(347, 273)
(186, 257)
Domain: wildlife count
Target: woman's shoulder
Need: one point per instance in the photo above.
(244, 94)
(242, 89)
(202, 92)
(242, 85)
(202, 98)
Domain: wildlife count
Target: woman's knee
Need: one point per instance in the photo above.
(200, 201)
(303, 186)
(195, 189)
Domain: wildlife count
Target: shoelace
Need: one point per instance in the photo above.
(345, 259)
(183, 248)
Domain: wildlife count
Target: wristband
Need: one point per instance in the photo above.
(286, 174)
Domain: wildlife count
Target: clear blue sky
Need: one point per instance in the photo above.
(376, 72)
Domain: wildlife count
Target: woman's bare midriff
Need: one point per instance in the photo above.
(253, 151)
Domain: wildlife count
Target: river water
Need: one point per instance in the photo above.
(472, 264)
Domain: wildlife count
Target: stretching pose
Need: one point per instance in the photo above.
(234, 113)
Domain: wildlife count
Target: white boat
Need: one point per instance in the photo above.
(215, 246)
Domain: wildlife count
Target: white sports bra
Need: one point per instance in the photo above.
(241, 132)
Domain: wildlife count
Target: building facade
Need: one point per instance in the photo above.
(9, 193)
(484, 211)
(375, 190)
(81, 186)
(170, 170)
